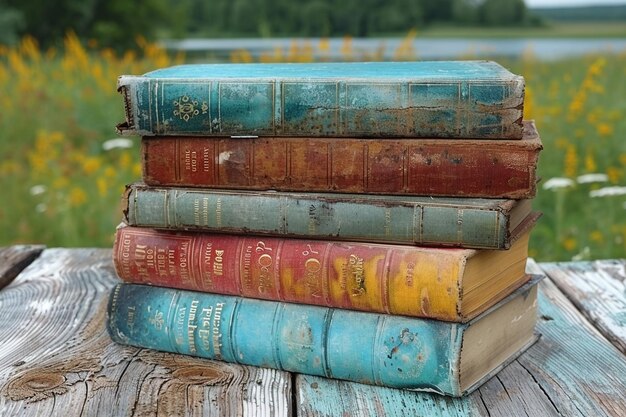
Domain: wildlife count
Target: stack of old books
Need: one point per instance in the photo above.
(360, 221)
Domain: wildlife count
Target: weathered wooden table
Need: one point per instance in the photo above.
(57, 360)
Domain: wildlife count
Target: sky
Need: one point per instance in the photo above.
(567, 3)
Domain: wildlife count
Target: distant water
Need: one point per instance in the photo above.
(541, 48)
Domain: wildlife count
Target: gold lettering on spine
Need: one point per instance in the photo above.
(217, 333)
(410, 269)
(353, 276)
(191, 160)
(387, 226)
(218, 265)
(246, 278)
(183, 263)
(312, 268)
(206, 159)
(196, 212)
(205, 332)
(218, 212)
(141, 256)
(161, 262)
(264, 262)
(312, 226)
(126, 256)
(191, 327)
(180, 324)
(130, 318)
(171, 262)
(207, 278)
(205, 211)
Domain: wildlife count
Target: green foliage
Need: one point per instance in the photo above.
(349, 17)
(502, 12)
(112, 23)
(117, 23)
(11, 21)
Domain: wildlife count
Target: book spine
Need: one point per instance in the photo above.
(386, 350)
(458, 168)
(421, 282)
(312, 216)
(334, 108)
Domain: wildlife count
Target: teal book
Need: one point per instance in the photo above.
(378, 349)
(443, 99)
(455, 222)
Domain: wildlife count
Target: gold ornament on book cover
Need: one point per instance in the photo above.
(186, 108)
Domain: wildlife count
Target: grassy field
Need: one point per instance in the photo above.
(62, 174)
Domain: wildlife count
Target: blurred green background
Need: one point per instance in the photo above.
(63, 169)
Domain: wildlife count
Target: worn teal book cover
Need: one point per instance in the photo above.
(444, 99)
(455, 222)
(388, 350)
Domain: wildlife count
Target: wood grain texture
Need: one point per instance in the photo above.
(13, 259)
(598, 289)
(571, 371)
(57, 359)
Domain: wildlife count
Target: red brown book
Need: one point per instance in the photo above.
(449, 284)
(454, 167)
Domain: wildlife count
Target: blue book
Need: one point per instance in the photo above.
(447, 99)
(379, 349)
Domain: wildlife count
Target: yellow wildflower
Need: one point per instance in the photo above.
(125, 160)
(592, 117)
(597, 236)
(110, 172)
(529, 104)
(346, 48)
(103, 186)
(570, 244)
(60, 183)
(324, 45)
(38, 164)
(9, 167)
(590, 162)
(595, 69)
(91, 164)
(571, 161)
(614, 174)
(604, 129)
(137, 169)
(77, 197)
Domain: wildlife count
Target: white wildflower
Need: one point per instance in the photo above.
(558, 182)
(582, 255)
(38, 189)
(608, 191)
(589, 178)
(121, 143)
(41, 207)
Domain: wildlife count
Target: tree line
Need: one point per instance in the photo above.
(117, 23)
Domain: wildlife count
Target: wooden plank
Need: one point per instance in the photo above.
(57, 359)
(13, 259)
(598, 290)
(571, 371)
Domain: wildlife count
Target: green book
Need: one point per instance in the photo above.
(469, 99)
(457, 222)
